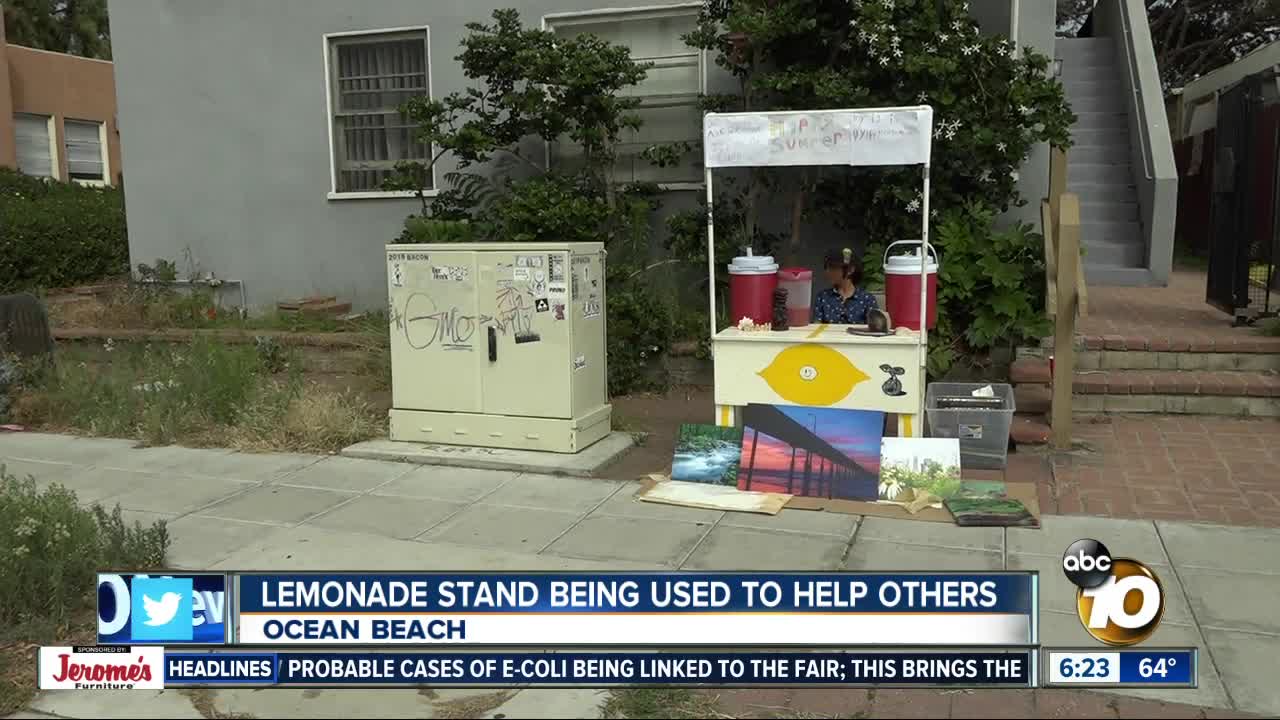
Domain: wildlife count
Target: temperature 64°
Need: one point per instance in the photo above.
(1150, 666)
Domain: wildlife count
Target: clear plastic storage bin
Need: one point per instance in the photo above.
(981, 424)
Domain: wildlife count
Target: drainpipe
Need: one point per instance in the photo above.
(1013, 23)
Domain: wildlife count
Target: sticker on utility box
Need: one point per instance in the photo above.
(397, 275)
(557, 290)
(555, 268)
(541, 305)
(970, 432)
(579, 362)
(591, 308)
(520, 274)
(456, 273)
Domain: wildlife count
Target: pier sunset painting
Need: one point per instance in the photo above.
(811, 451)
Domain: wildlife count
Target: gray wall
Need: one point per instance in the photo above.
(224, 124)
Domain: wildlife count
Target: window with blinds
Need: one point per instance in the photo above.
(35, 145)
(371, 75)
(668, 95)
(86, 156)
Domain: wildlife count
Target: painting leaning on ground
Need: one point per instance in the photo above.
(707, 454)
(811, 451)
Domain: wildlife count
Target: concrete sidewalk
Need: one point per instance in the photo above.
(281, 511)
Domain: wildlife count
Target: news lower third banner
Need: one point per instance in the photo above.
(967, 668)
(637, 609)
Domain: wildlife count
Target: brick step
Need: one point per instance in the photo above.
(1176, 382)
(1029, 429)
(1242, 342)
(1032, 399)
(1193, 391)
(1150, 360)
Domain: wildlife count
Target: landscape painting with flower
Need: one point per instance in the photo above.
(915, 467)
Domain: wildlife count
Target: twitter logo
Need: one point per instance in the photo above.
(161, 609)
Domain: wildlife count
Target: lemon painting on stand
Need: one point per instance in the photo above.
(812, 374)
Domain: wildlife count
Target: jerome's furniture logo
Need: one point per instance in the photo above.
(1119, 600)
(101, 668)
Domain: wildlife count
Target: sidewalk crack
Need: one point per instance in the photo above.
(1208, 651)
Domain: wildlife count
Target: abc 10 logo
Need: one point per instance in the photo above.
(1119, 600)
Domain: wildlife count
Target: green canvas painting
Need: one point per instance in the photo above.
(990, 512)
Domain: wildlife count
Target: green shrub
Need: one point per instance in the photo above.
(641, 328)
(51, 548)
(990, 284)
(55, 234)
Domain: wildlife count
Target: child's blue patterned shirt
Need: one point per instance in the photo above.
(831, 308)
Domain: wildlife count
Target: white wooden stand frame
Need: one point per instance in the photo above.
(820, 365)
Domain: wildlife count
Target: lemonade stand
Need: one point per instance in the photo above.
(822, 365)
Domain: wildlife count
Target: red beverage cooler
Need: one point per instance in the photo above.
(902, 286)
(752, 280)
(798, 282)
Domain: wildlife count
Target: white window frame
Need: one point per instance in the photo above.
(333, 193)
(102, 143)
(553, 21)
(51, 124)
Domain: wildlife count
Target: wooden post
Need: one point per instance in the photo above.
(1057, 185)
(751, 464)
(1068, 257)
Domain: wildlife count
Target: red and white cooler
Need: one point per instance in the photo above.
(902, 285)
(752, 280)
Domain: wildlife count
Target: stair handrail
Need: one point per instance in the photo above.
(1135, 95)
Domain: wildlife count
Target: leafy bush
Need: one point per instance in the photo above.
(432, 230)
(641, 328)
(991, 284)
(56, 234)
(51, 548)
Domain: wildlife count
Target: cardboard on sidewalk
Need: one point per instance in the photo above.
(1023, 492)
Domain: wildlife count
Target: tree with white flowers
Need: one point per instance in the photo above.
(992, 101)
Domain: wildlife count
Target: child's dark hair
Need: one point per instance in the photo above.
(849, 265)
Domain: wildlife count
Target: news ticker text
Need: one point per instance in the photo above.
(151, 667)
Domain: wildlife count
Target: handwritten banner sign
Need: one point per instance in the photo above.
(873, 136)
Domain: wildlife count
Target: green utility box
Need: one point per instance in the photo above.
(498, 344)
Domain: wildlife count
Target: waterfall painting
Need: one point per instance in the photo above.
(707, 454)
(811, 451)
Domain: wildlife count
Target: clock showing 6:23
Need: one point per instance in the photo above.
(1084, 667)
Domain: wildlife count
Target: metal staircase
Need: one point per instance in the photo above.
(1100, 171)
